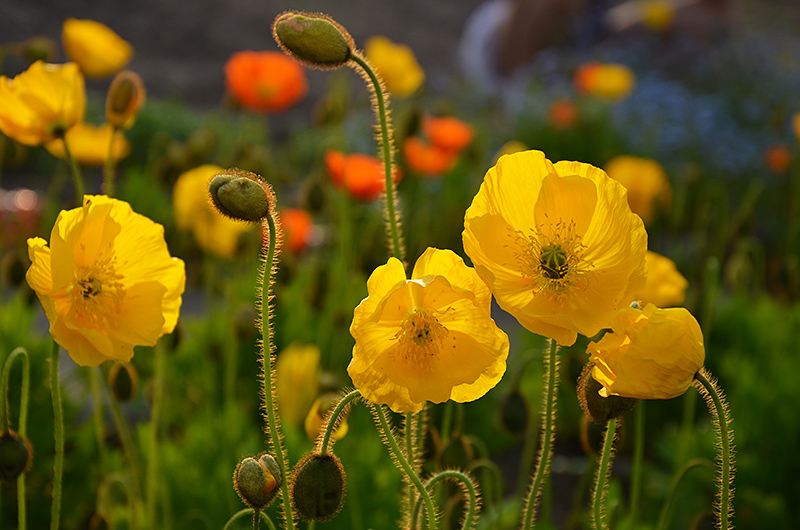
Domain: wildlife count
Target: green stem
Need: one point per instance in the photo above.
(248, 511)
(97, 416)
(152, 490)
(636, 469)
(267, 390)
(75, 171)
(398, 250)
(666, 509)
(109, 168)
(548, 434)
(408, 432)
(22, 353)
(58, 432)
(404, 464)
(332, 420)
(601, 481)
(128, 449)
(472, 507)
(715, 399)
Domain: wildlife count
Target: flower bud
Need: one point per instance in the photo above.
(257, 481)
(314, 39)
(125, 95)
(240, 195)
(600, 409)
(123, 381)
(16, 456)
(318, 486)
(39, 49)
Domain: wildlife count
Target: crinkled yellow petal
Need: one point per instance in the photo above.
(464, 279)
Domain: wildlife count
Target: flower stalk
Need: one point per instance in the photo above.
(75, 171)
(5, 420)
(601, 480)
(469, 486)
(333, 419)
(109, 168)
(58, 433)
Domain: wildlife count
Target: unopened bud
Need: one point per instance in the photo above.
(16, 456)
(123, 381)
(600, 409)
(240, 195)
(313, 38)
(318, 486)
(39, 49)
(125, 95)
(257, 481)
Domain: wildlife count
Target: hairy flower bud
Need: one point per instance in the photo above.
(16, 456)
(313, 38)
(600, 409)
(318, 487)
(240, 195)
(125, 95)
(257, 481)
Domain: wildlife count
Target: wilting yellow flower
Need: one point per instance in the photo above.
(315, 421)
(297, 372)
(430, 338)
(609, 81)
(107, 281)
(42, 102)
(95, 47)
(396, 64)
(213, 231)
(646, 182)
(665, 286)
(557, 245)
(651, 354)
(89, 144)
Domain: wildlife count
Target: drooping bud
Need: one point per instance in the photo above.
(16, 456)
(257, 481)
(318, 487)
(313, 38)
(600, 409)
(125, 95)
(240, 195)
(123, 381)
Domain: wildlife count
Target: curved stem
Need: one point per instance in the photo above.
(404, 464)
(248, 511)
(601, 481)
(22, 353)
(129, 450)
(663, 517)
(109, 168)
(715, 399)
(268, 386)
(548, 434)
(58, 433)
(75, 171)
(393, 221)
(472, 507)
(332, 419)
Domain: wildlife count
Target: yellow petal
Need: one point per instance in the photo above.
(95, 47)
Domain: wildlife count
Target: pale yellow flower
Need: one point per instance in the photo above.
(106, 282)
(430, 338)
(658, 15)
(95, 47)
(647, 184)
(396, 64)
(665, 286)
(42, 102)
(89, 144)
(297, 372)
(557, 244)
(651, 354)
(609, 81)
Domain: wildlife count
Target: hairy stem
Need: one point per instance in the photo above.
(333, 419)
(601, 480)
(75, 171)
(469, 485)
(58, 432)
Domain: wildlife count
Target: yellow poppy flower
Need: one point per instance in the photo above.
(396, 64)
(557, 244)
(665, 286)
(89, 144)
(651, 354)
(95, 47)
(297, 372)
(430, 338)
(658, 15)
(41, 102)
(107, 281)
(647, 184)
(213, 231)
(609, 81)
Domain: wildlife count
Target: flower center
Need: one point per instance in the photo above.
(420, 337)
(96, 293)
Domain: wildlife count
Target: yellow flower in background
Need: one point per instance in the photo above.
(89, 144)
(557, 244)
(95, 47)
(430, 338)
(609, 81)
(315, 421)
(297, 373)
(796, 125)
(107, 282)
(212, 231)
(665, 286)
(657, 15)
(651, 354)
(42, 102)
(647, 184)
(396, 64)
(509, 148)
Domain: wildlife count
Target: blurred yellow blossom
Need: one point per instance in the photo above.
(297, 371)
(796, 125)
(647, 184)
(95, 47)
(609, 81)
(396, 64)
(651, 353)
(212, 231)
(106, 282)
(42, 102)
(509, 148)
(430, 338)
(557, 244)
(657, 15)
(665, 286)
(315, 420)
(89, 144)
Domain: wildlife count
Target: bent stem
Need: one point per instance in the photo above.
(708, 388)
(58, 433)
(75, 171)
(601, 479)
(267, 375)
(401, 460)
(548, 435)
(249, 511)
(469, 485)
(22, 354)
(333, 419)
(663, 517)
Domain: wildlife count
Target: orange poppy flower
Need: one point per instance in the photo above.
(265, 81)
(608, 81)
(334, 165)
(297, 227)
(448, 133)
(361, 175)
(427, 159)
(778, 158)
(563, 114)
